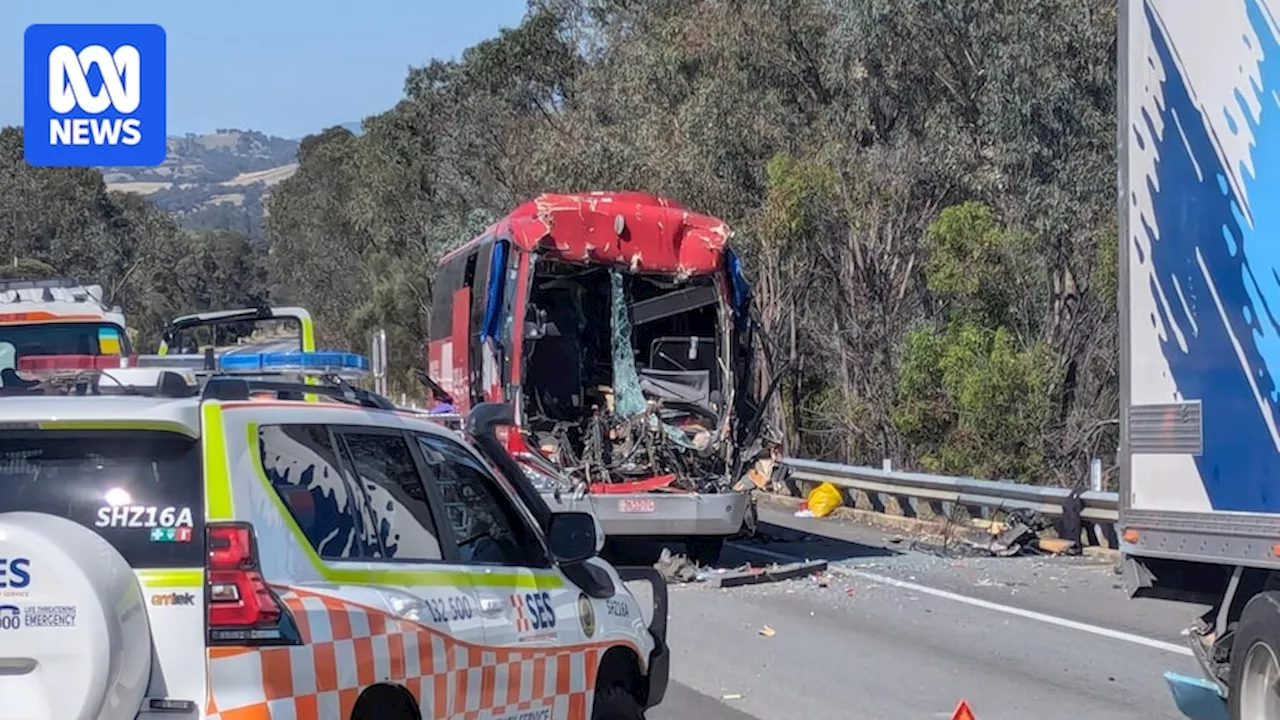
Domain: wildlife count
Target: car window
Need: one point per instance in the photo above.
(64, 339)
(139, 490)
(303, 468)
(397, 497)
(487, 527)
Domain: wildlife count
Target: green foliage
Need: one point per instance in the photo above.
(974, 403)
(1104, 282)
(831, 136)
(978, 265)
(921, 191)
(799, 199)
(64, 222)
(973, 398)
(27, 269)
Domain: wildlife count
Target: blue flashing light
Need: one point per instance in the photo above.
(322, 362)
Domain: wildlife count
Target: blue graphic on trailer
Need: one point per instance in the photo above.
(1201, 222)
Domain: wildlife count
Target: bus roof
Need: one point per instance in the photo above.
(646, 233)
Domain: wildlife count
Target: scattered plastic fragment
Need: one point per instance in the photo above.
(768, 631)
(676, 568)
(773, 573)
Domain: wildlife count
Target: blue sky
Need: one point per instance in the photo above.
(285, 67)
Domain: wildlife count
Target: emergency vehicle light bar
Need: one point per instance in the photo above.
(348, 366)
(344, 365)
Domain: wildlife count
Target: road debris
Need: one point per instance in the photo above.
(1058, 546)
(731, 696)
(676, 568)
(767, 574)
(1018, 534)
(824, 499)
(767, 631)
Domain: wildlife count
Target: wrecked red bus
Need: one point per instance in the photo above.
(617, 326)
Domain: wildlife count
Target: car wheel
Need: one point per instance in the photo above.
(615, 702)
(386, 702)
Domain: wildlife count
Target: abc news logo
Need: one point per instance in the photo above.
(94, 95)
(69, 89)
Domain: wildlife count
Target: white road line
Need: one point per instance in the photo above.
(986, 604)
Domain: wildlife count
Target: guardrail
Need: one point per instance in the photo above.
(937, 497)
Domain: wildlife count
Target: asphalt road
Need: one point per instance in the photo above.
(898, 633)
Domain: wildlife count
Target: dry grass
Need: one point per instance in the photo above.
(140, 188)
(270, 176)
(233, 198)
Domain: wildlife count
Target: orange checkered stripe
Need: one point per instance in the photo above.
(348, 647)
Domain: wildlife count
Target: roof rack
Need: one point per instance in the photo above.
(26, 284)
(53, 290)
(228, 377)
(233, 389)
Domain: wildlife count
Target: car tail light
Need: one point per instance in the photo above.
(242, 609)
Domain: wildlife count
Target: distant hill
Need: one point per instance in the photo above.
(214, 181)
(355, 127)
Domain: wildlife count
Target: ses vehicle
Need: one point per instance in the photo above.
(180, 541)
(248, 330)
(56, 317)
(1200, 355)
(618, 327)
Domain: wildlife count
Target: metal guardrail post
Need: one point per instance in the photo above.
(378, 360)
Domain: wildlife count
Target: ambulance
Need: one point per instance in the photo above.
(180, 542)
(58, 316)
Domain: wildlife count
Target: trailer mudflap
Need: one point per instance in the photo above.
(1197, 698)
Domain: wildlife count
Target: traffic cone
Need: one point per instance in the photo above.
(963, 712)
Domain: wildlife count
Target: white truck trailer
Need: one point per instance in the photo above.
(1199, 89)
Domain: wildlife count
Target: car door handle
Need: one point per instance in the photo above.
(491, 607)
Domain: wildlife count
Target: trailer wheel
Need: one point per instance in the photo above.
(1254, 692)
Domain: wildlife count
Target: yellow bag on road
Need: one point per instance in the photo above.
(825, 498)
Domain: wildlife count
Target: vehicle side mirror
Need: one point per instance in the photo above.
(485, 418)
(573, 537)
